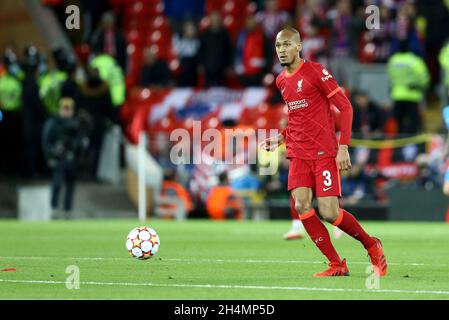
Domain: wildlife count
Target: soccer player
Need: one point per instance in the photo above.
(315, 156)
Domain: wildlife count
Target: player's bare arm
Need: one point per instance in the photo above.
(272, 143)
(343, 158)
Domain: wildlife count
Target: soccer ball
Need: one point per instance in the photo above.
(142, 243)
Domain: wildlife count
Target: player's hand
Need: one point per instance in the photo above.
(271, 144)
(343, 159)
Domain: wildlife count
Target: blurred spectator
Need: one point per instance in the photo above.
(436, 15)
(11, 107)
(222, 202)
(180, 10)
(368, 119)
(271, 19)
(215, 52)
(109, 39)
(173, 195)
(33, 117)
(70, 87)
(62, 140)
(406, 29)
(11, 63)
(247, 180)
(155, 71)
(96, 101)
(356, 184)
(50, 81)
(275, 185)
(433, 161)
(251, 52)
(346, 29)
(111, 73)
(310, 13)
(409, 79)
(429, 173)
(314, 46)
(341, 27)
(444, 62)
(313, 26)
(186, 47)
(92, 14)
(381, 37)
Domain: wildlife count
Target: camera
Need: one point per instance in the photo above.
(71, 142)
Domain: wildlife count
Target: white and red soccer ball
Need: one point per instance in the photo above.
(142, 243)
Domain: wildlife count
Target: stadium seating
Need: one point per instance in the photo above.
(145, 25)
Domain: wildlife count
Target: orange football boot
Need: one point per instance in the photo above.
(336, 269)
(377, 257)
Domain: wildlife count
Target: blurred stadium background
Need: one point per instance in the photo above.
(168, 63)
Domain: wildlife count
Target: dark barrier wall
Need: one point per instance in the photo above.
(405, 203)
(415, 203)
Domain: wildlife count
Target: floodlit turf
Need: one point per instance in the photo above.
(215, 260)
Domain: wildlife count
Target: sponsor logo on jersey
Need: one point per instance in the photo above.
(327, 76)
(297, 104)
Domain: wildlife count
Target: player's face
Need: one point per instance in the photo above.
(287, 49)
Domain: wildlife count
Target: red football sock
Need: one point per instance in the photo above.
(349, 224)
(319, 235)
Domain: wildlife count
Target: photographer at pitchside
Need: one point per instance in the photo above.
(64, 138)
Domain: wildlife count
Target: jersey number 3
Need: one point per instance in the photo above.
(327, 178)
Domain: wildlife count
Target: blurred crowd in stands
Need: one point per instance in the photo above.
(227, 42)
(157, 44)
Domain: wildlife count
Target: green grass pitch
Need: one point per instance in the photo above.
(215, 260)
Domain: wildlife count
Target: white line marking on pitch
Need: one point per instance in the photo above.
(221, 260)
(213, 286)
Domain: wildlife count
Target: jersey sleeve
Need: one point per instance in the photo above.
(343, 104)
(325, 81)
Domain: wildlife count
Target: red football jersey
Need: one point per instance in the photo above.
(310, 133)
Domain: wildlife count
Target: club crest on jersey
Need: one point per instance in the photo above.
(327, 76)
(299, 85)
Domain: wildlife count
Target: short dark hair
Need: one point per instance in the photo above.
(293, 31)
